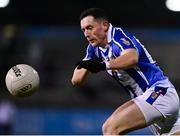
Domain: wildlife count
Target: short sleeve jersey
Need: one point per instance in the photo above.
(136, 79)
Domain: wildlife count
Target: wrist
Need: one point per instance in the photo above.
(107, 64)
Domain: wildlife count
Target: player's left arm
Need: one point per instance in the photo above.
(128, 58)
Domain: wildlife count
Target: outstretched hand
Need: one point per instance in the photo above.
(93, 66)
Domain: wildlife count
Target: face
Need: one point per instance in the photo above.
(95, 31)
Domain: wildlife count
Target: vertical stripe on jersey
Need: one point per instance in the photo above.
(147, 54)
(142, 49)
(118, 45)
(133, 92)
(138, 78)
(89, 53)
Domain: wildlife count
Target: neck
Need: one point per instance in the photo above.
(105, 42)
(104, 46)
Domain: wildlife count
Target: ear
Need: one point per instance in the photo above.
(106, 25)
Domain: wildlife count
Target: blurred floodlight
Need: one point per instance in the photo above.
(173, 5)
(4, 3)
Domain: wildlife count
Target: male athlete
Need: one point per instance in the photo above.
(154, 103)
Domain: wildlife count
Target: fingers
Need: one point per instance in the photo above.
(87, 64)
(93, 66)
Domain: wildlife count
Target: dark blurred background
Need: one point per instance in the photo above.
(47, 36)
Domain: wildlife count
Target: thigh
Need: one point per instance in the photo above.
(126, 117)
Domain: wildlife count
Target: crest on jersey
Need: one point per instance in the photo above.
(125, 41)
(154, 95)
(152, 98)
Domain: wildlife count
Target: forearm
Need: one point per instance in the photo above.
(126, 60)
(79, 76)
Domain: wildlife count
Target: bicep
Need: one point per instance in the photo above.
(132, 55)
(127, 59)
(131, 52)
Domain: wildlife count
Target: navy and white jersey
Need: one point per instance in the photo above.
(137, 79)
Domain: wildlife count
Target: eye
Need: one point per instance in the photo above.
(89, 28)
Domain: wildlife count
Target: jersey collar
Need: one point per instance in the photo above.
(109, 34)
(109, 38)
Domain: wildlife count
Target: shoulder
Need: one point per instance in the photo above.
(90, 47)
(122, 38)
(92, 50)
(119, 32)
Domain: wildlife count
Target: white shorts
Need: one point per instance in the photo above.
(160, 106)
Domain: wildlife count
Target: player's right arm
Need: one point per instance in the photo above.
(79, 76)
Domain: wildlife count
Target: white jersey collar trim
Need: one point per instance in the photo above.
(109, 34)
(109, 38)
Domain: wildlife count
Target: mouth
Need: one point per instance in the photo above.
(91, 40)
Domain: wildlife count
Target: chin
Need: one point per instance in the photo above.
(94, 44)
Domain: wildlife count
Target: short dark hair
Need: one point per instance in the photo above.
(97, 13)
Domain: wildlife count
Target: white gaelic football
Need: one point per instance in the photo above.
(22, 80)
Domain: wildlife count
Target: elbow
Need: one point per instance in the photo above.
(76, 82)
(134, 58)
(134, 61)
(78, 77)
